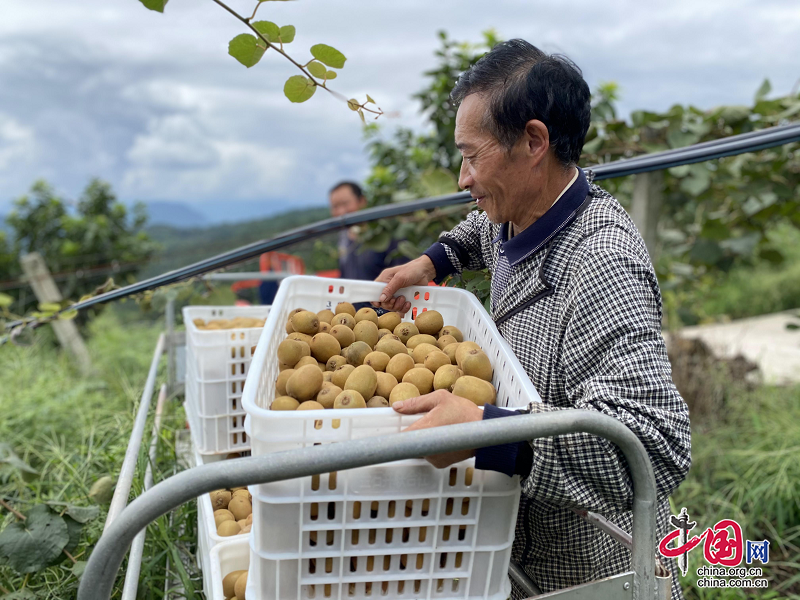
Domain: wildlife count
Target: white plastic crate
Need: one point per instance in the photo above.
(233, 555)
(404, 529)
(216, 434)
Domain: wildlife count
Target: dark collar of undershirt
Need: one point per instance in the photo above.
(558, 216)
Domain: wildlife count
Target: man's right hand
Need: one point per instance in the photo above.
(417, 272)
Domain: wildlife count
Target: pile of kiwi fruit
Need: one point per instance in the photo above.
(357, 359)
(235, 323)
(234, 584)
(233, 511)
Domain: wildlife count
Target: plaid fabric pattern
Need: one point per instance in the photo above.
(592, 342)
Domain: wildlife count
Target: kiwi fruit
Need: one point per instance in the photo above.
(284, 403)
(240, 507)
(403, 391)
(280, 382)
(334, 362)
(389, 320)
(422, 350)
(477, 364)
(341, 374)
(472, 388)
(446, 376)
(436, 359)
(305, 382)
(345, 308)
(453, 331)
(422, 379)
(327, 376)
(377, 402)
(220, 499)
(399, 364)
(228, 582)
(356, 352)
(325, 316)
(422, 338)
(305, 322)
(363, 380)
(327, 395)
(291, 351)
(451, 350)
(222, 515)
(324, 327)
(429, 321)
(381, 333)
(405, 331)
(243, 492)
(306, 360)
(344, 319)
(324, 345)
(386, 383)
(311, 405)
(463, 348)
(301, 337)
(377, 360)
(445, 341)
(366, 314)
(349, 399)
(240, 587)
(246, 529)
(228, 528)
(391, 345)
(343, 334)
(366, 331)
(199, 322)
(289, 328)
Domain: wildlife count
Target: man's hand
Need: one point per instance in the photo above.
(443, 408)
(417, 272)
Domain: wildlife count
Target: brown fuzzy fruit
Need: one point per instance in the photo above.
(228, 582)
(325, 316)
(389, 320)
(363, 380)
(220, 499)
(228, 528)
(240, 586)
(366, 331)
(366, 314)
(422, 338)
(405, 331)
(386, 383)
(323, 346)
(345, 307)
(284, 403)
(305, 322)
(452, 330)
(300, 337)
(403, 391)
(327, 395)
(445, 341)
(399, 364)
(344, 319)
(377, 360)
(446, 376)
(377, 402)
(421, 351)
(391, 345)
(356, 352)
(463, 348)
(349, 399)
(479, 391)
(334, 362)
(436, 359)
(451, 350)
(429, 321)
(240, 507)
(343, 334)
(327, 376)
(324, 327)
(222, 515)
(280, 383)
(311, 405)
(422, 379)
(477, 364)
(341, 374)
(290, 351)
(305, 383)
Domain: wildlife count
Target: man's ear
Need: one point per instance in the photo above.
(537, 140)
(362, 202)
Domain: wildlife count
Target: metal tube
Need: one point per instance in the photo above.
(123, 488)
(137, 549)
(603, 524)
(735, 144)
(169, 314)
(521, 578)
(97, 580)
(241, 276)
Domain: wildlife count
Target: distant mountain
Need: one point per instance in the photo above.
(174, 214)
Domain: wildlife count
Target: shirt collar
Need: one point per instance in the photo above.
(558, 216)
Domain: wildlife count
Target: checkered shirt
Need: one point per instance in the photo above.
(591, 340)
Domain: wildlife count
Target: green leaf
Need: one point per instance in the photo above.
(330, 75)
(102, 490)
(438, 182)
(68, 315)
(593, 145)
(49, 307)
(763, 90)
(698, 181)
(792, 326)
(74, 530)
(317, 69)
(361, 114)
(6, 300)
(9, 457)
(705, 251)
(679, 171)
(328, 55)
(287, 33)
(353, 104)
(370, 100)
(156, 5)
(246, 49)
(269, 30)
(80, 566)
(299, 88)
(771, 255)
(31, 545)
(83, 514)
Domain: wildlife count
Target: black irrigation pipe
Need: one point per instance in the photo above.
(736, 144)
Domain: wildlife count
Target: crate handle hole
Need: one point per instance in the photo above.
(370, 563)
(373, 509)
(446, 533)
(423, 533)
(443, 560)
(389, 535)
(459, 557)
(356, 510)
(330, 537)
(315, 482)
(329, 565)
(448, 510)
(416, 295)
(462, 533)
(392, 505)
(387, 562)
(332, 481)
(420, 561)
(465, 507)
(331, 511)
(453, 476)
(409, 508)
(468, 474)
(314, 511)
(312, 566)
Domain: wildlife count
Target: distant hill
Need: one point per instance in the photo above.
(175, 214)
(183, 246)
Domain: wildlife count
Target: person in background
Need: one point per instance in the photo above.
(355, 261)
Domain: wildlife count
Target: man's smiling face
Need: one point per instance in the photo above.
(500, 180)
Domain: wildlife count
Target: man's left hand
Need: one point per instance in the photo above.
(443, 408)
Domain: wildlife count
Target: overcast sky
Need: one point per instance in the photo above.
(152, 102)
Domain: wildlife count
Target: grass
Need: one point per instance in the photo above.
(745, 467)
(74, 430)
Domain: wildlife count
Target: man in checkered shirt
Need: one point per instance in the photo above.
(575, 295)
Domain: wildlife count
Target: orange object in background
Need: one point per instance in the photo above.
(272, 262)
